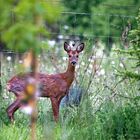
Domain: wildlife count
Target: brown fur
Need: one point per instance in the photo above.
(54, 86)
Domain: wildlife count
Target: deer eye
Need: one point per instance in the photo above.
(77, 56)
(69, 55)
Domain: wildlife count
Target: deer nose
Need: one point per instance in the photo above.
(73, 62)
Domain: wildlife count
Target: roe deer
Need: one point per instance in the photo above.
(54, 86)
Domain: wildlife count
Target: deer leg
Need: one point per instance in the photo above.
(13, 108)
(55, 106)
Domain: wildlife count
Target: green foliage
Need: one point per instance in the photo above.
(109, 7)
(105, 20)
(108, 111)
(135, 39)
(109, 123)
(133, 53)
(23, 22)
(79, 24)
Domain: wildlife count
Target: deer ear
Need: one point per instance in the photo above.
(80, 47)
(66, 47)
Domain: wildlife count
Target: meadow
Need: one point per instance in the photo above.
(104, 99)
(109, 108)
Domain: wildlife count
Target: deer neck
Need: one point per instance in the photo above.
(69, 74)
(70, 69)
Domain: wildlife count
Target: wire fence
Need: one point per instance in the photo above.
(68, 28)
(95, 72)
(115, 34)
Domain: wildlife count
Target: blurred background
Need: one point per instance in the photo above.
(104, 99)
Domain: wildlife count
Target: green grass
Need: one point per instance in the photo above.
(109, 111)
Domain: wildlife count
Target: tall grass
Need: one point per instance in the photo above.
(109, 109)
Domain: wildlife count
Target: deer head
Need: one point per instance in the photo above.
(73, 52)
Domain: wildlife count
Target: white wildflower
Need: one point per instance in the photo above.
(121, 65)
(66, 27)
(51, 42)
(60, 36)
(136, 72)
(102, 72)
(83, 64)
(112, 62)
(90, 66)
(9, 58)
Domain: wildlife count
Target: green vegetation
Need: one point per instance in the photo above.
(105, 18)
(110, 105)
(109, 108)
(133, 53)
(23, 22)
